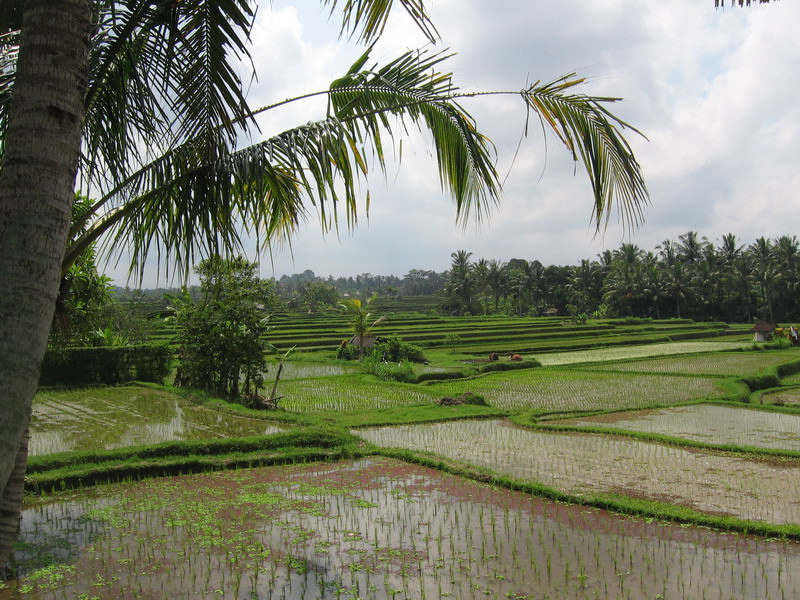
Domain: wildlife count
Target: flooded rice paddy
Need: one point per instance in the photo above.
(787, 397)
(373, 529)
(583, 464)
(347, 394)
(628, 352)
(716, 364)
(706, 423)
(568, 390)
(111, 417)
(307, 370)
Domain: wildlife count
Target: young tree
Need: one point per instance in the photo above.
(360, 319)
(222, 341)
(316, 296)
(83, 297)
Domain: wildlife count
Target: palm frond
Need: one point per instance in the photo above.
(411, 88)
(187, 204)
(370, 16)
(592, 135)
(719, 3)
(161, 73)
(200, 198)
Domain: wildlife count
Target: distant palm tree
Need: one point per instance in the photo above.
(360, 320)
(496, 278)
(765, 274)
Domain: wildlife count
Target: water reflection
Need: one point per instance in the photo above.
(128, 416)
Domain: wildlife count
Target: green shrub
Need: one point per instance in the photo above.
(439, 376)
(108, 365)
(509, 365)
(762, 381)
(469, 371)
(394, 349)
(789, 368)
(386, 371)
(346, 351)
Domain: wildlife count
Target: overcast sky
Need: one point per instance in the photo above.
(715, 92)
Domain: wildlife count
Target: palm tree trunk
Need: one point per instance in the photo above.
(37, 180)
(11, 501)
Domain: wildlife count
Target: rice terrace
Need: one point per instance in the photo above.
(630, 459)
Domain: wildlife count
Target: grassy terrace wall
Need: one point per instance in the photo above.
(482, 334)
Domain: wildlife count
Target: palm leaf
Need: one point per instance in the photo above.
(370, 17)
(592, 134)
(162, 73)
(200, 197)
(412, 89)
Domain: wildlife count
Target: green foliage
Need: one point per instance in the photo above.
(82, 297)
(394, 349)
(453, 341)
(106, 365)
(360, 319)
(374, 364)
(221, 341)
(317, 296)
(346, 351)
(509, 365)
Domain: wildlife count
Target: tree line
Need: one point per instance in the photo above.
(690, 277)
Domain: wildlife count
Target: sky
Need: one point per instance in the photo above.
(715, 92)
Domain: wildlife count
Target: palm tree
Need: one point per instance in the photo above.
(40, 135)
(653, 285)
(765, 274)
(480, 275)
(690, 247)
(677, 281)
(786, 253)
(459, 285)
(496, 279)
(585, 284)
(623, 282)
(359, 319)
(153, 128)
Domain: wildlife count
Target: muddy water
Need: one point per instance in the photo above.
(373, 529)
(583, 464)
(706, 423)
(128, 416)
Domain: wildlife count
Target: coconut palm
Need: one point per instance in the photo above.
(142, 99)
(623, 283)
(765, 274)
(496, 279)
(360, 319)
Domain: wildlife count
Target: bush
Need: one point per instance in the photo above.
(394, 349)
(375, 365)
(439, 376)
(346, 351)
(509, 365)
(108, 365)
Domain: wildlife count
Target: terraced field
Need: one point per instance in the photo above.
(583, 464)
(571, 390)
(363, 522)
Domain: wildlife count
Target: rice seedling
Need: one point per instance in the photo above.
(583, 464)
(716, 364)
(569, 390)
(638, 351)
(706, 423)
(280, 533)
(350, 393)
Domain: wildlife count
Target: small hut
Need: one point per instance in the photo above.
(762, 332)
